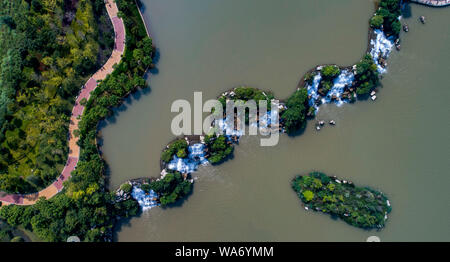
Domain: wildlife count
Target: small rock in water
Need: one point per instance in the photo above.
(422, 19)
(405, 28)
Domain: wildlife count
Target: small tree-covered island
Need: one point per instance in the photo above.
(361, 207)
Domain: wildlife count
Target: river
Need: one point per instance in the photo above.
(398, 144)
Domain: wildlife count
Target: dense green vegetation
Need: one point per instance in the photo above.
(376, 21)
(85, 208)
(360, 207)
(366, 77)
(178, 147)
(294, 117)
(386, 17)
(48, 49)
(219, 148)
(9, 234)
(329, 73)
(170, 188)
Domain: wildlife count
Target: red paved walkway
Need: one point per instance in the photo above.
(74, 149)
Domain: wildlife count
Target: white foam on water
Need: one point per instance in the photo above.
(145, 200)
(344, 79)
(266, 120)
(312, 90)
(228, 130)
(196, 157)
(381, 47)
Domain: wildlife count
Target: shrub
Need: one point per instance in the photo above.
(219, 148)
(17, 239)
(171, 188)
(376, 21)
(146, 187)
(390, 11)
(178, 147)
(126, 187)
(308, 195)
(366, 75)
(330, 72)
(294, 117)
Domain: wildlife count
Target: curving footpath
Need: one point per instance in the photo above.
(77, 111)
(436, 3)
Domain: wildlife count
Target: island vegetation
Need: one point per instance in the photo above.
(178, 147)
(172, 187)
(219, 148)
(293, 117)
(329, 73)
(358, 206)
(387, 17)
(367, 77)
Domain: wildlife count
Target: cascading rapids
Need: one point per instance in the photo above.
(145, 200)
(344, 79)
(312, 90)
(196, 157)
(381, 47)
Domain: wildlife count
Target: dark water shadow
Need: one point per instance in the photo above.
(155, 59)
(406, 10)
(156, 56)
(142, 6)
(300, 131)
(127, 101)
(121, 223)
